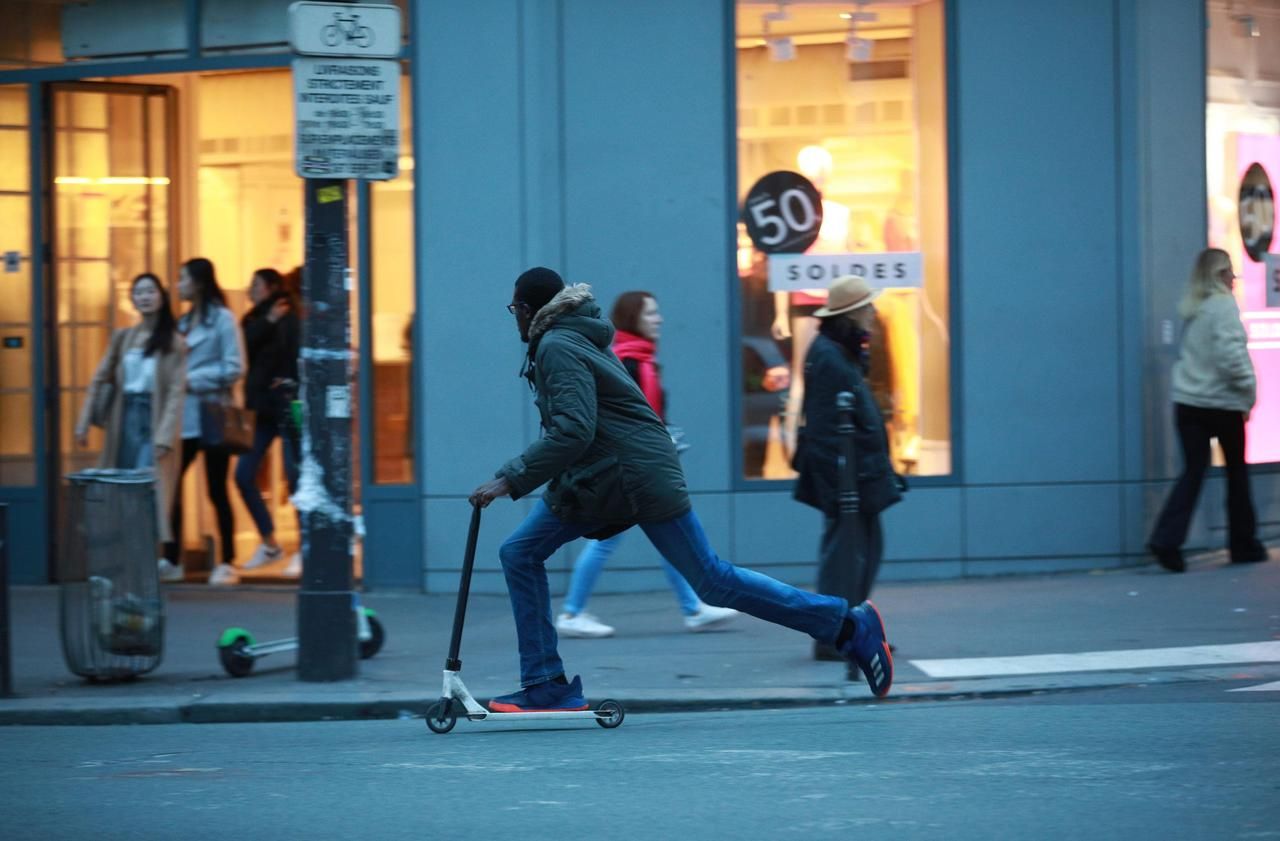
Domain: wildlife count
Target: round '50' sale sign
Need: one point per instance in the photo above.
(783, 212)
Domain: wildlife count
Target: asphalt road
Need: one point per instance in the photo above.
(1170, 762)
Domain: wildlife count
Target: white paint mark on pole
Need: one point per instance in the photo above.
(337, 401)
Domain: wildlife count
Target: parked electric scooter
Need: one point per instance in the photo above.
(238, 651)
(443, 714)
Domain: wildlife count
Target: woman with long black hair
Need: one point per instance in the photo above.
(272, 336)
(215, 362)
(136, 395)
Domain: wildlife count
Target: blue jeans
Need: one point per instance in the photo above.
(586, 571)
(265, 431)
(683, 543)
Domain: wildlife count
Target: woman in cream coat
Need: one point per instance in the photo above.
(1213, 393)
(139, 388)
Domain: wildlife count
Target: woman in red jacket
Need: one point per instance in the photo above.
(637, 323)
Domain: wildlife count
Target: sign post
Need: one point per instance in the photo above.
(347, 125)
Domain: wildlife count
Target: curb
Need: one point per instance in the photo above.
(251, 711)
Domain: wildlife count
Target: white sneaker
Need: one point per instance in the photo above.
(224, 574)
(584, 626)
(169, 571)
(294, 568)
(708, 617)
(262, 556)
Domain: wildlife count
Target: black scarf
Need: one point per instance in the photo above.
(851, 338)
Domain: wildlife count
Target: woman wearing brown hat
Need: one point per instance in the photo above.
(839, 361)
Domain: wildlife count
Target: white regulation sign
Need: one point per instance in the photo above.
(888, 270)
(347, 118)
(344, 29)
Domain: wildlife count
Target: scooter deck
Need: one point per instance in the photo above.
(441, 718)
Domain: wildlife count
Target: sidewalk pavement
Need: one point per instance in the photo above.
(654, 664)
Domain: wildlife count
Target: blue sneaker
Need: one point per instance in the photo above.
(868, 650)
(549, 697)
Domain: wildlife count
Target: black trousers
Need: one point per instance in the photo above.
(216, 463)
(848, 564)
(1195, 427)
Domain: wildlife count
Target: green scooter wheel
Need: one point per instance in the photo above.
(377, 637)
(233, 651)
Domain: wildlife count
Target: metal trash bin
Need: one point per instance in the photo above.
(112, 612)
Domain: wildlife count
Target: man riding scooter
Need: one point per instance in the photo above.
(611, 465)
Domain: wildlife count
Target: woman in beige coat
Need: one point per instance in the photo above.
(1214, 388)
(136, 396)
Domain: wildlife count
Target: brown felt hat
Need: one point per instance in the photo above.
(847, 294)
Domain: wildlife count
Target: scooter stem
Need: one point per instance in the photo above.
(452, 663)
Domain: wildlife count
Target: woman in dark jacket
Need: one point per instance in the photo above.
(838, 361)
(272, 336)
(637, 324)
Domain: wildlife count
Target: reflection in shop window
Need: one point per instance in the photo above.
(855, 105)
(1242, 120)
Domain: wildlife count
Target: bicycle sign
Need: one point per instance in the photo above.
(357, 30)
(347, 29)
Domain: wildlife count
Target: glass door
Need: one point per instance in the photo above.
(17, 390)
(111, 165)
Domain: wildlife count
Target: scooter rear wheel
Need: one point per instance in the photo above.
(610, 714)
(377, 636)
(440, 717)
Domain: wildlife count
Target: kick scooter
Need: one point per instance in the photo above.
(238, 652)
(442, 716)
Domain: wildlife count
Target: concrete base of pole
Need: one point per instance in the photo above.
(327, 647)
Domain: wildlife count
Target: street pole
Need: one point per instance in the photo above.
(848, 578)
(346, 84)
(326, 614)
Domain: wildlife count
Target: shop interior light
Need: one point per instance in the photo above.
(857, 49)
(781, 49)
(110, 181)
(814, 163)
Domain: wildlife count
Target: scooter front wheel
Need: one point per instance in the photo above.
(610, 714)
(235, 657)
(440, 717)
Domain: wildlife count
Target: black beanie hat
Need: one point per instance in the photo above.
(537, 286)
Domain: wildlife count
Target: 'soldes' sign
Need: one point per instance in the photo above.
(887, 270)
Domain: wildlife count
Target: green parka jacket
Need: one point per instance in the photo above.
(608, 457)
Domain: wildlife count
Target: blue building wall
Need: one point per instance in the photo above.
(599, 138)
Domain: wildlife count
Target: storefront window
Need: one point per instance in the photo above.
(392, 307)
(1242, 119)
(17, 461)
(848, 103)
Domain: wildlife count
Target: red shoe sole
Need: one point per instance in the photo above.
(512, 708)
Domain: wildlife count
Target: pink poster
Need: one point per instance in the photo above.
(1261, 320)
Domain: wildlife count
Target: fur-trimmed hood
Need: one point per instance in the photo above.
(573, 307)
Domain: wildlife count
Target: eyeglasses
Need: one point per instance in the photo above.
(511, 308)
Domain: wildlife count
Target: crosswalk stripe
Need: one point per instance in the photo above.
(1102, 661)
(1273, 686)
